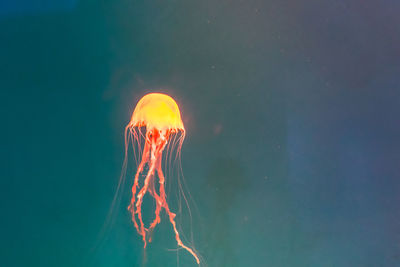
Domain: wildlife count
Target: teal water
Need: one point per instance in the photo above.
(291, 154)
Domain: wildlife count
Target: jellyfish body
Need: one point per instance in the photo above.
(160, 116)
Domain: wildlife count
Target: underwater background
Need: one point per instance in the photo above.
(291, 110)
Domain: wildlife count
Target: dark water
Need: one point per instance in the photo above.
(291, 111)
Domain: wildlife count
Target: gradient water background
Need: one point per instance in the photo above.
(291, 110)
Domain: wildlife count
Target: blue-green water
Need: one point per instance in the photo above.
(291, 155)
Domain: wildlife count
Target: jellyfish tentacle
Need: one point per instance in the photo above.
(159, 205)
(152, 138)
(172, 215)
(161, 143)
(131, 207)
(139, 201)
(157, 219)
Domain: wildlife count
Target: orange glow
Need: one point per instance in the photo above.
(160, 115)
(157, 111)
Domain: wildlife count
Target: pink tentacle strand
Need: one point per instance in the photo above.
(152, 156)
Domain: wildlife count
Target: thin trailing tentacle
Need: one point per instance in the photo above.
(131, 208)
(172, 215)
(139, 202)
(155, 142)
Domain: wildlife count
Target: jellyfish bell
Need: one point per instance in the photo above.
(157, 111)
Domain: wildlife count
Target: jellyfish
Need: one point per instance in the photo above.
(160, 116)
